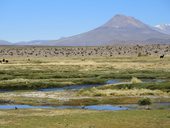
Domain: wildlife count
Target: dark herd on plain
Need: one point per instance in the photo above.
(4, 61)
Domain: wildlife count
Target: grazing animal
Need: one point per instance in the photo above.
(0, 61)
(162, 56)
(6, 61)
(3, 60)
(16, 108)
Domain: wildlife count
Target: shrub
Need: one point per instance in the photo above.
(145, 101)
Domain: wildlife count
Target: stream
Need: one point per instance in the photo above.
(107, 107)
(90, 107)
(112, 81)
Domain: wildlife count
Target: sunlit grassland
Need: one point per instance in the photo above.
(26, 76)
(39, 118)
(20, 73)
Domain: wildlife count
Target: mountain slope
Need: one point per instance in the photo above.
(120, 29)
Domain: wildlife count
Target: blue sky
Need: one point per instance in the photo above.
(24, 20)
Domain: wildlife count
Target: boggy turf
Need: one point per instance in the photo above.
(38, 72)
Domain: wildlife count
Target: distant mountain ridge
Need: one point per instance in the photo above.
(120, 29)
(33, 42)
(4, 42)
(164, 28)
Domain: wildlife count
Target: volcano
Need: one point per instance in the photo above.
(120, 29)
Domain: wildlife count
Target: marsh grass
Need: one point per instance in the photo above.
(53, 72)
(163, 86)
(122, 92)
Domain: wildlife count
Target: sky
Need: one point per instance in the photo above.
(25, 20)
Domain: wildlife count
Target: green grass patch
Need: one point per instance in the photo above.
(164, 86)
(84, 119)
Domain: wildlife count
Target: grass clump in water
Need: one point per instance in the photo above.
(135, 80)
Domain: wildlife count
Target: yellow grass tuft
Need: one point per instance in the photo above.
(135, 80)
(124, 92)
